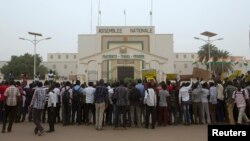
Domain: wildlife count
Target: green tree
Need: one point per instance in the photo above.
(218, 66)
(24, 64)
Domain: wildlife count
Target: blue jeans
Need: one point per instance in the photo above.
(185, 106)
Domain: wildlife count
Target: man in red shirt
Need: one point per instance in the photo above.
(3, 87)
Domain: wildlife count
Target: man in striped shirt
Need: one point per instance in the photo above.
(37, 105)
(12, 94)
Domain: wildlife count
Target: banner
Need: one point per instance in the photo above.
(171, 76)
(201, 73)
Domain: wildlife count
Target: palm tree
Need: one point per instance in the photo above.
(218, 65)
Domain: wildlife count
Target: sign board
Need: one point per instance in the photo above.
(125, 30)
(201, 73)
(186, 77)
(237, 73)
(149, 74)
(171, 76)
(72, 77)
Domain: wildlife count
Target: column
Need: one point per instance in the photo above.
(99, 71)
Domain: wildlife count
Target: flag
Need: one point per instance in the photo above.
(210, 60)
(219, 60)
(226, 60)
(195, 61)
(203, 61)
(236, 61)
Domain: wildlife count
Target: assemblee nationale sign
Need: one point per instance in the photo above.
(130, 30)
(122, 56)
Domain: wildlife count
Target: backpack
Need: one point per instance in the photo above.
(77, 95)
(134, 95)
(66, 97)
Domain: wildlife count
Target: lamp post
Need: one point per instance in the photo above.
(209, 42)
(35, 42)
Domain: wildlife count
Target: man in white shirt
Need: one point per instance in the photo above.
(184, 100)
(150, 101)
(89, 91)
(58, 103)
(12, 94)
(51, 108)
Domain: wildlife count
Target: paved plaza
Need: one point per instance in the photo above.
(24, 132)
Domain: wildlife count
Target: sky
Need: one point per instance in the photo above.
(64, 20)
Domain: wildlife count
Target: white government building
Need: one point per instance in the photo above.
(118, 52)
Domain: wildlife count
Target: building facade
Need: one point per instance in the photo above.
(119, 52)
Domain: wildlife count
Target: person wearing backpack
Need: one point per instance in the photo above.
(77, 102)
(66, 94)
(240, 99)
(135, 105)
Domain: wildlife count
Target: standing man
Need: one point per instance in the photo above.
(90, 91)
(229, 90)
(220, 102)
(37, 105)
(150, 101)
(121, 97)
(141, 88)
(12, 95)
(51, 108)
(100, 96)
(184, 100)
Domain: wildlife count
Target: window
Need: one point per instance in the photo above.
(65, 66)
(54, 66)
(185, 66)
(74, 56)
(175, 66)
(67, 56)
(177, 56)
(51, 56)
(76, 66)
(185, 56)
(192, 56)
(59, 56)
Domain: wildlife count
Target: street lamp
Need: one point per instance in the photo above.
(209, 42)
(35, 42)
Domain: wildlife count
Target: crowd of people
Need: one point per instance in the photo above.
(146, 104)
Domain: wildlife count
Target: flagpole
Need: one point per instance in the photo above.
(99, 14)
(151, 13)
(91, 15)
(125, 22)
